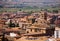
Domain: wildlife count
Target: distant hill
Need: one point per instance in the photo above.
(24, 3)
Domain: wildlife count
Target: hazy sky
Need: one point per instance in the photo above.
(41, 0)
(37, 0)
(21, 1)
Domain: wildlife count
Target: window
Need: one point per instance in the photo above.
(27, 31)
(31, 30)
(41, 21)
(36, 30)
(44, 22)
(42, 16)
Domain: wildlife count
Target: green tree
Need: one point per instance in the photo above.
(20, 10)
(17, 25)
(11, 24)
(30, 12)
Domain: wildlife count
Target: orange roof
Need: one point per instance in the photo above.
(23, 19)
(35, 33)
(30, 17)
(40, 25)
(33, 27)
(11, 30)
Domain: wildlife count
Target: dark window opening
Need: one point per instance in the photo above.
(27, 31)
(31, 30)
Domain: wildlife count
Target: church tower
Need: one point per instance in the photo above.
(43, 15)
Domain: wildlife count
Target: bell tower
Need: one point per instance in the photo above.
(43, 15)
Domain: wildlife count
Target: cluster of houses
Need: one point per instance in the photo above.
(22, 24)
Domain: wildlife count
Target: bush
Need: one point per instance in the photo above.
(55, 11)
